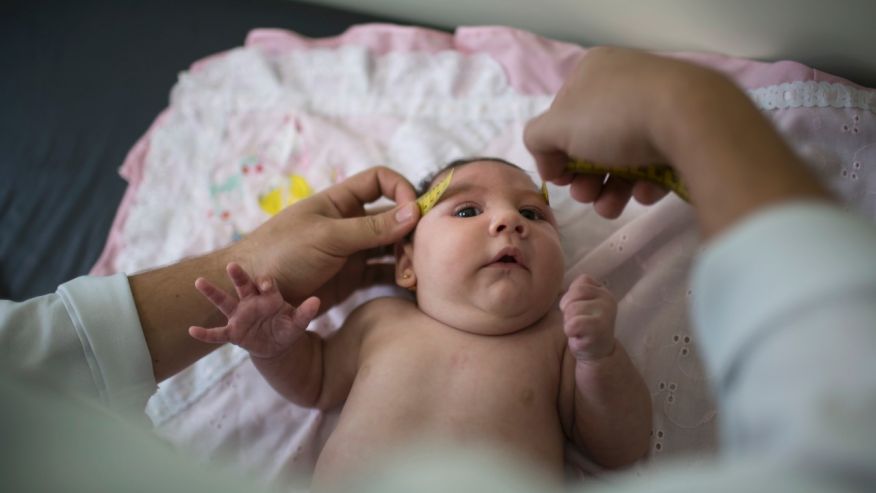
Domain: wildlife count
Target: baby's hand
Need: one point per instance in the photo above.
(588, 319)
(261, 321)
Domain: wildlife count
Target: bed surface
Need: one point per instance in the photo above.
(82, 81)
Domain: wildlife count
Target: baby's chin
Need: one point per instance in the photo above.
(489, 319)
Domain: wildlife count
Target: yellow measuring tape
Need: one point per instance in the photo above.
(660, 174)
(428, 200)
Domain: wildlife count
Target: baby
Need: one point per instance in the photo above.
(485, 355)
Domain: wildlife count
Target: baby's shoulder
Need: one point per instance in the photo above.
(382, 316)
(388, 306)
(384, 302)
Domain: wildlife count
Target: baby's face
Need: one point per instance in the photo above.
(487, 258)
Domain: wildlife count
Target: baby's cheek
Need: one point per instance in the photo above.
(439, 281)
(556, 268)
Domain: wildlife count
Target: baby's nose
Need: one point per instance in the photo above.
(508, 223)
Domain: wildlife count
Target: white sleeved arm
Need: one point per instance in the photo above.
(86, 337)
(785, 306)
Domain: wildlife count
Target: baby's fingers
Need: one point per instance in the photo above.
(581, 316)
(580, 347)
(241, 280)
(583, 320)
(226, 304)
(583, 287)
(307, 310)
(590, 349)
(217, 335)
(295, 321)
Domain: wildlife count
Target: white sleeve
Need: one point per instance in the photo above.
(785, 305)
(86, 337)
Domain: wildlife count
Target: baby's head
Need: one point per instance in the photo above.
(487, 258)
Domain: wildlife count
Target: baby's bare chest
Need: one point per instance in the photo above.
(444, 375)
(416, 383)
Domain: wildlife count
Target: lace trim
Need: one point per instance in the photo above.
(812, 94)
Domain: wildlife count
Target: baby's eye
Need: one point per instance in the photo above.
(532, 214)
(467, 211)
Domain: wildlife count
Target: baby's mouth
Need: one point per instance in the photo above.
(509, 258)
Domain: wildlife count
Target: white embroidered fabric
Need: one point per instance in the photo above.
(813, 94)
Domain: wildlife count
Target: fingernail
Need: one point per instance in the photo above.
(405, 214)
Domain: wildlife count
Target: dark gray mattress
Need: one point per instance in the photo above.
(81, 82)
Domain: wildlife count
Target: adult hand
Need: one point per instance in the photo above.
(321, 246)
(602, 114)
(626, 107)
(318, 246)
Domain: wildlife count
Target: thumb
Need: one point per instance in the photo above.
(372, 230)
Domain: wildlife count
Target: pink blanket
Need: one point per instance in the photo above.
(256, 128)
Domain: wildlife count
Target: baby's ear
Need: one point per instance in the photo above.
(404, 265)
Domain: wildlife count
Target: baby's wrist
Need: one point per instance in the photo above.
(272, 357)
(597, 352)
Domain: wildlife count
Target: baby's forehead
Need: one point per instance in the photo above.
(478, 170)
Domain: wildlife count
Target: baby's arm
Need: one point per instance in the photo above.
(611, 408)
(274, 333)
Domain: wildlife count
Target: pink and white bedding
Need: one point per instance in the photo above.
(256, 128)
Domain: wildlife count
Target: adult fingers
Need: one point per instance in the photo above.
(616, 193)
(586, 188)
(350, 196)
(545, 138)
(351, 235)
(647, 193)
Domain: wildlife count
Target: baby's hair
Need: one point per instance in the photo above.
(427, 182)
